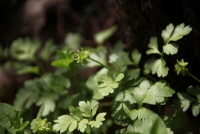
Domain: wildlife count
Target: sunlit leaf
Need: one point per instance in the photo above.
(166, 34)
(98, 122)
(180, 31)
(153, 45)
(159, 67)
(105, 34)
(170, 48)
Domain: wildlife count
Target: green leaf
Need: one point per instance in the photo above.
(75, 112)
(140, 113)
(48, 100)
(98, 122)
(47, 51)
(10, 119)
(133, 73)
(159, 68)
(57, 83)
(166, 34)
(88, 109)
(140, 92)
(121, 110)
(126, 95)
(105, 34)
(73, 41)
(180, 31)
(119, 77)
(30, 94)
(186, 100)
(148, 65)
(107, 84)
(157, 93)
(83, 125)
(118, 58)
(170, 48)
(153, 45)
(65, 122)
(152, 124)
(136, 56)
(195, 91)
(66, 59)
(24, 48)
(176, 121)
(145, 93)
(196, 108)
(92, 85)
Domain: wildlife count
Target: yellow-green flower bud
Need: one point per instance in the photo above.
(82, 55)
(180, 67)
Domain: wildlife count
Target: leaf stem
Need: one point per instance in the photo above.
(100, 63)
(102, 131)
(105, 104)
(193, 76)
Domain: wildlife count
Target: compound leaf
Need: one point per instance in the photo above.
(64, 122)
(170, 48)
(153, 45)
(159, 68)
(24, 48)
(88, 109)
(98, 122)
(107, 84)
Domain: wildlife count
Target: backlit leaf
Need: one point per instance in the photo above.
(166, 34)
(153, 45)
(170, 48)
(98, 122)
(180, 31)
(159, 68)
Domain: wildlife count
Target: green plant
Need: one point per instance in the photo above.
(120, 91)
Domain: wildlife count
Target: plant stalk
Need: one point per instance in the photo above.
(193, 76)
(100, 63)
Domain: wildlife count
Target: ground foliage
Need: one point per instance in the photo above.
(120, 93)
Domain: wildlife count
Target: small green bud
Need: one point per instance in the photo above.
(180, 67)
(82, 55)
(42, 125)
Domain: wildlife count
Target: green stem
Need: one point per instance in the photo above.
(193, 76)
(100, 63)
(102, 131)
(105, 104)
